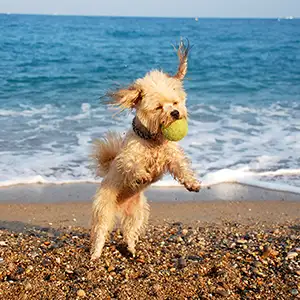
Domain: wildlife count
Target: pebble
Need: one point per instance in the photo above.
(241, 241)
(294, 292)
(184, 231)
(81, 293)
(3, 243)
(297, 249)
(259, 273)
(266, 251)
(110, 268)
(232, 245)
(1, 260)
(181, 263)
(11, 266)
(222, 292)
(179, 239)
(194, 258)
(46, 262)
(291, 255)
(29, 269)
(28, 286)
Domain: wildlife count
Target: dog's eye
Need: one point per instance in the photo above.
(175, 103)
(159, 107)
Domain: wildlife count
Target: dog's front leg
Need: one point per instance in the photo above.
(180, 168)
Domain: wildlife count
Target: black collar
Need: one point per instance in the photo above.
(141, 131)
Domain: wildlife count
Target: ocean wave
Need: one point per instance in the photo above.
(215, 178)
(28, 112)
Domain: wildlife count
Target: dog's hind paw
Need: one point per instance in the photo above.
(95, 256)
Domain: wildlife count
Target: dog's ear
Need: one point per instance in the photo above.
(182, 53)
(126, 98)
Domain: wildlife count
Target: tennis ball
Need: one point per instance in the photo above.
(176, 131)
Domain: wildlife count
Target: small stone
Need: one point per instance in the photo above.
(11, 266)
(46, 262)
(47, 243)
(50, 224)
(298, 272)
(291, 255)
(181, 263)
(173, 270)
(20, 270)
(3, 243)
(28, 286)
(184, 231)
(81, 293)
(57, 259)
(110, 268)
(29, 269)
(222, 292)
(259, 273)
(74, 220)
(297, 249)
(1, 260)
(179, 239)
(241, 241)
(232, 245)
(266, 251)
(194, 258)
(294, 292)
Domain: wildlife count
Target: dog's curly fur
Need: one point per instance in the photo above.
(128, 165)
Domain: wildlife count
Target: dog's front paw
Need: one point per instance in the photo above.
(144, 179)
(193, 186)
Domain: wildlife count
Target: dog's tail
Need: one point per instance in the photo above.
(104, 152)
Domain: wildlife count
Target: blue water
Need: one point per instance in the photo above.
(243, 90)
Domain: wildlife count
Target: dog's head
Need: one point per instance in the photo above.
(158, 98)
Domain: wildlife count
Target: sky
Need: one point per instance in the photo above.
(160, 8)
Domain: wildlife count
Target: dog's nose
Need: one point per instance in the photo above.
(175, 114)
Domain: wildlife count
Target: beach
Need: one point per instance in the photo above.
(238, 238)
(196, 248)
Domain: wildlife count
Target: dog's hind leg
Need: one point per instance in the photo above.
(103, 216)
(134, 220)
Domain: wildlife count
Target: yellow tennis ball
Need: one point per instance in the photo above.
(176, 131)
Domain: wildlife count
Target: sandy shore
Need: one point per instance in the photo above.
(207, 249)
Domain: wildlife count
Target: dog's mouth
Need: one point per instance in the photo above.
(168, 123)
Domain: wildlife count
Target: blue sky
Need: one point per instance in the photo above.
(168, 8)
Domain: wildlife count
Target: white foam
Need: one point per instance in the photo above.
(29, 112)
(211, 179)
(53, 145)
(250, 178)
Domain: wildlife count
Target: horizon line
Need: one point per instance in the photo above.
(137, 16)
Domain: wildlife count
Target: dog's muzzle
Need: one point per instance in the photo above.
(175, 114)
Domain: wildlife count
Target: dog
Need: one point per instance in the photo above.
(129, 164)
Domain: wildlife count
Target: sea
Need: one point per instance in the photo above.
(243, 87)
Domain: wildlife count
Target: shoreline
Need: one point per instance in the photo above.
(20, 217)
(83, 192)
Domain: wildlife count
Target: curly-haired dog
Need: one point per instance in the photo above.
(129, 165)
